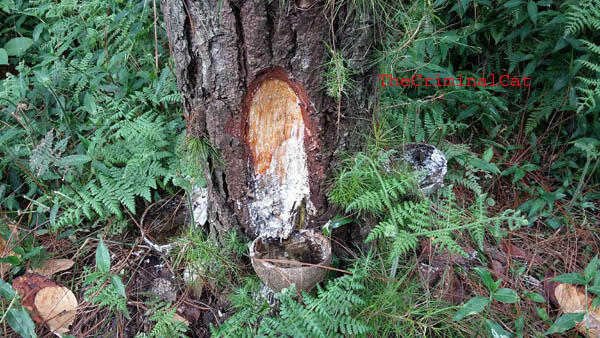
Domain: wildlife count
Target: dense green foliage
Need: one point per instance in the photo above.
(369, 187)
(551, 42)
(91, 125)
(326, 315)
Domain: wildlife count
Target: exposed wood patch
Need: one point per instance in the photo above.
(274, 118)
(277, 127)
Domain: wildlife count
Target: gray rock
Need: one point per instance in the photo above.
(430, 161)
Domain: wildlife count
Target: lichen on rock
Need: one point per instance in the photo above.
(429, 160)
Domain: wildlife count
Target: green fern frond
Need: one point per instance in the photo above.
(403, 243)
(331, 313)
(585, 14)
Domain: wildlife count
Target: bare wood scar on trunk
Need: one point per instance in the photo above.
(276, 132)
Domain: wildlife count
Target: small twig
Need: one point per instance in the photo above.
(155, 39)
(344, 247)
(100, 322)
(278, 269)
(206, 307)
(269, 260)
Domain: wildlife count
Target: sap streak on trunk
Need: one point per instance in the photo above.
(224, 50)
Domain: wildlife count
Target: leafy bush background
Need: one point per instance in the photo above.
(91, 124)
(551, 127)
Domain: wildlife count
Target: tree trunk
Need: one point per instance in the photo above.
(251, 74)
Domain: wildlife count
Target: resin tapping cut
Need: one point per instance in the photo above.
(276, 132)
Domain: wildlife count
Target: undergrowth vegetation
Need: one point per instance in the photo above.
(539, 140)
(91, 124)
(524, 128)
(92, 132)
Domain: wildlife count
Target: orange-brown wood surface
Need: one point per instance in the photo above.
(274, 116)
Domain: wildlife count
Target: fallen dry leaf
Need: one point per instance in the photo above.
(189, 312)
(27, 286)
(431, 274)
(56, 305)
(451, 288)
(572, 299)
(49, 302)
(53, 266)
(549, 286)
(513, 250)
(498, 269)
(178, 318)
(436, 270)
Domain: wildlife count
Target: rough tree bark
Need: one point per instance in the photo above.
(228, 53)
